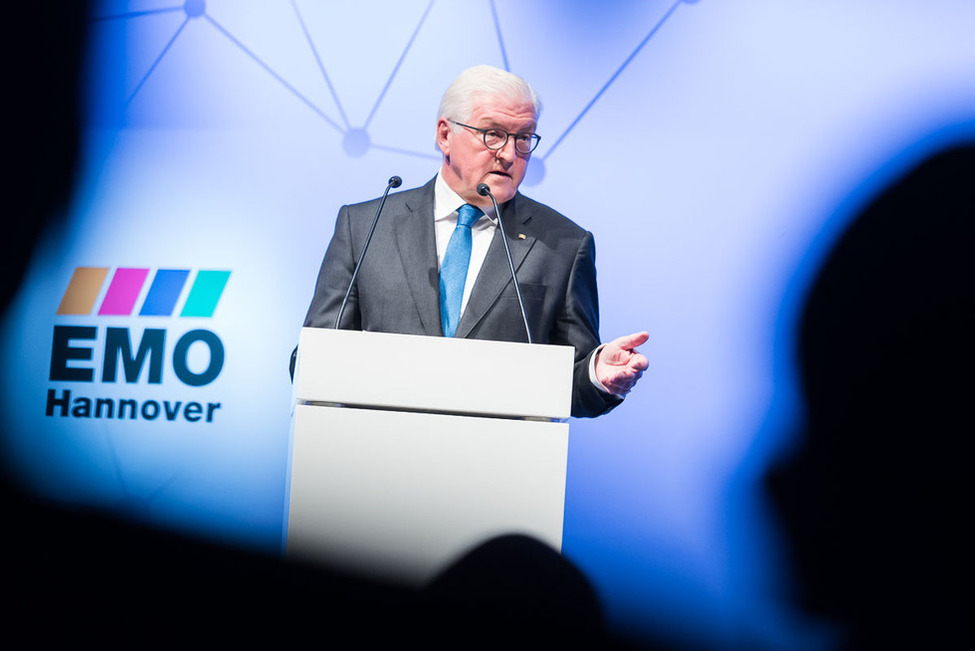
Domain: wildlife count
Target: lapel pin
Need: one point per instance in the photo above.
(521, 236)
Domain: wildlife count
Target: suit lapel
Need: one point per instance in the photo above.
(416, 243)
(495, 274)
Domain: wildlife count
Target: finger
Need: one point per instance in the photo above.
(624, 381)
(617, 387)
(631, 341)
(620, 374)
(623, 388)
(639, 363)
(626, 377)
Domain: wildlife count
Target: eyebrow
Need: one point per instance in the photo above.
(494, 125)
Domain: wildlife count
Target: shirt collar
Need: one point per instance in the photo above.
(446, 201)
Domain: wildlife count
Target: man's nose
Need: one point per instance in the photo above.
(507, 153)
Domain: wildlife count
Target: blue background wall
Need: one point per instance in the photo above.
(714, 148)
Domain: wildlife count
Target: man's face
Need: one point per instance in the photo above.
(468, 162)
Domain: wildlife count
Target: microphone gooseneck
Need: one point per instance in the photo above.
(485, 191)
(394, 182)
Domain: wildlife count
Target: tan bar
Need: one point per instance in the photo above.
(83, 290)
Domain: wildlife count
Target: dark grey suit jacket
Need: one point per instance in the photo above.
(398, 288)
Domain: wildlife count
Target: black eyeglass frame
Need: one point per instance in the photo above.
(535, 138)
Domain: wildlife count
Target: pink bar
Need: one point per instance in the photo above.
(123, 292)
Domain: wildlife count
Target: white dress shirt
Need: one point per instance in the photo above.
(446, 203)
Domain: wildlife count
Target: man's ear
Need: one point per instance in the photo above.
(443, 130)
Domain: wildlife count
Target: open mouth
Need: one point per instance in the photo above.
(504, 174)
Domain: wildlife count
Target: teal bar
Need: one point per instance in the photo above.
(205, 293)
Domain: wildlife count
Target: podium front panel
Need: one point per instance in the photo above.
(401, 495)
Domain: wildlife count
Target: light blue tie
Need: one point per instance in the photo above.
(453, 271)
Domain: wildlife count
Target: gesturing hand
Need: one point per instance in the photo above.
(619, 366)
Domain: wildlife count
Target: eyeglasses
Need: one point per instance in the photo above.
(495, 139)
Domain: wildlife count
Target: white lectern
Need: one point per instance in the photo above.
(408, 451)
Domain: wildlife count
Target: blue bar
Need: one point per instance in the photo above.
(164, 292)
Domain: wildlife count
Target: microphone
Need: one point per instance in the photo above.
(485, 191)
(394, 182)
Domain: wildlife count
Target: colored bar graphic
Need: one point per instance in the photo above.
(82, 291)
(205, 293)
(164, 292)
(123, 292)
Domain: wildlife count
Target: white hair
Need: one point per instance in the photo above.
(460, 98)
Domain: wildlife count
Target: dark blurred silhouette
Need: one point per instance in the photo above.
(73, 575)
(535, 587)
(876, 498)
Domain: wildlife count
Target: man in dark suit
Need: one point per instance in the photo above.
(486, 131)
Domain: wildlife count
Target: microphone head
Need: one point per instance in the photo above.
(483, 189)
(395, 181)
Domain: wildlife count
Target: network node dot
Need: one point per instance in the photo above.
(356, 142)
(194, 8)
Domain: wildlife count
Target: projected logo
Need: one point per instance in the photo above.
(132, 354)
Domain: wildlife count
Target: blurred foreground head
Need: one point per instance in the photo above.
(876, 497)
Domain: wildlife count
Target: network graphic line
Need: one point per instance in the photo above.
(137, 14)
(497, 28)
(129, 501)
(321, 66)
(356, 141)
(613, 78)
(398, 64)
(271, 72)
(155, 63)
